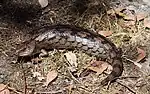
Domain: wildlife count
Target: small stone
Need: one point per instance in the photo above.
(43, 3)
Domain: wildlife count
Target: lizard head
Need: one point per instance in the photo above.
(26, 48)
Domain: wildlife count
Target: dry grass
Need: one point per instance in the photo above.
(95, 19)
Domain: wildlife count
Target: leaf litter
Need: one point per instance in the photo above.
(72, 59)
(119, 11)
(50, 77)
(4, 89)
(98, 66)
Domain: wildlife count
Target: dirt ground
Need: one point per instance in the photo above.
(28, 77)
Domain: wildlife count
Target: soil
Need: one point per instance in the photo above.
(28, 76)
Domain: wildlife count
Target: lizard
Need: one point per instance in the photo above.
(72, 37)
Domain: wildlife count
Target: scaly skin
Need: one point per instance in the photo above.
(69, 37)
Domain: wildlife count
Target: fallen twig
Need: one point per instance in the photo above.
(126, 87)
(14, 90)
(51, 92)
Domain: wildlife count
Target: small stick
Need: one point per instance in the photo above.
(12, 89)
(50, 92)
(126, 87)
(25, 83)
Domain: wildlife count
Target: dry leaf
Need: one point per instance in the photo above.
(141, 15)
(105, 33)
(50, 77)
(98, 66)
(72, 59)
(141, 55)
(43, 3)
(3, 89)
(147, 22)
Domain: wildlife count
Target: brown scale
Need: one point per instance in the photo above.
(69, 37)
